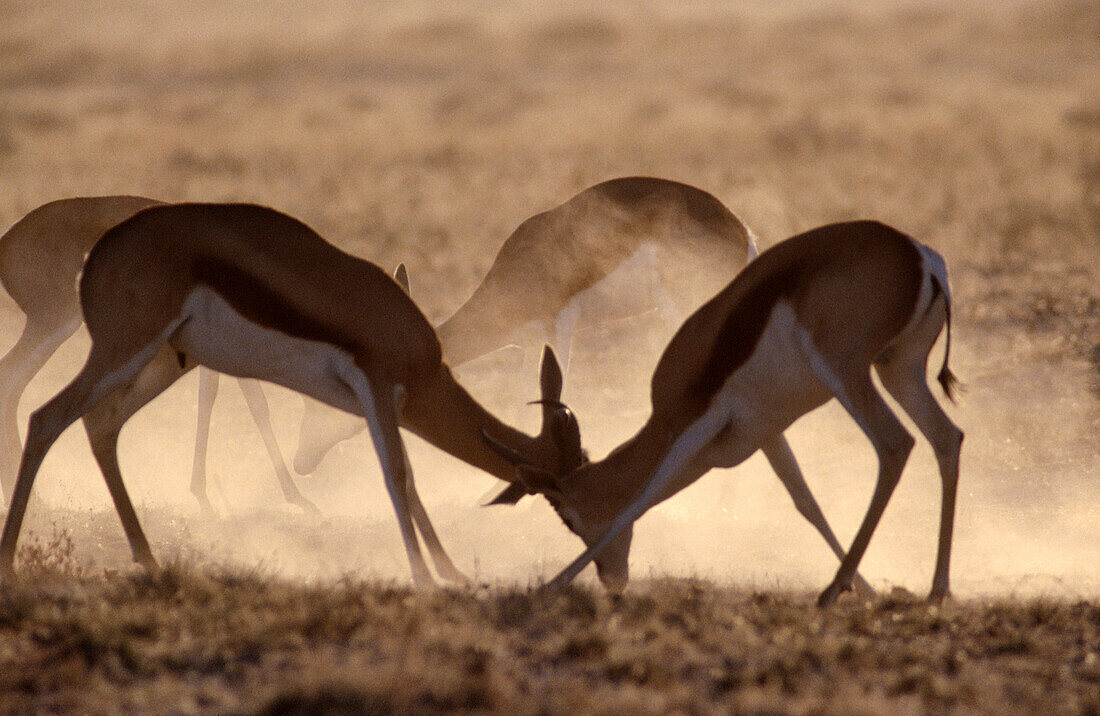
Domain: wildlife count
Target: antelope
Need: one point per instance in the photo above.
(40, 260)
(569, 266)
(250, 292)
(802, 324)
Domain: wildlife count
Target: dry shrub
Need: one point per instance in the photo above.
(52, 556)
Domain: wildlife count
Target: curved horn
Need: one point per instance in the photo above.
(550, 378)
(551, 402)
(558, 421)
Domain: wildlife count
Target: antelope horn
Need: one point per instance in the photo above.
(551, 402)
(510, 495)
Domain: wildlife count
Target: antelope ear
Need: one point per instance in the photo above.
(567, 436)
(510, 495)
(550, 380)
(401, 275)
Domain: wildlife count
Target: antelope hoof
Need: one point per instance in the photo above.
(451, 574)
(206, 510)
(828, 597)
(937, 596)
(556, 584)
(862, 588)
(308, 507)
(422, 580)
(148, 562)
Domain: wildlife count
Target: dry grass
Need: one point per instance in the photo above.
(424, 133)
(195, 639)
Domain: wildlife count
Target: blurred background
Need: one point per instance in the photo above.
(425, 133)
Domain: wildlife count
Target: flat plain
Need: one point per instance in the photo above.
(425, 133)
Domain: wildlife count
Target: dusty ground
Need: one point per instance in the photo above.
(216, 641)
(418, 134)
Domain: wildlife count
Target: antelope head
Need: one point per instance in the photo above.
(582, 510)
(559, 438)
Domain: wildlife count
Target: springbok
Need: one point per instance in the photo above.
(40, 259)
(802, 324)
(251, 292)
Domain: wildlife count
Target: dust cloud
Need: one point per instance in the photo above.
(1026, 523)
(425, 132)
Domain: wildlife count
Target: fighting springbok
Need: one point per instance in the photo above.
(625, 245)
(802, 324)
(251, 292)
(40, 258)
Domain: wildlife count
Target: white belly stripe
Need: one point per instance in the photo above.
(775, 386)
(214, 334)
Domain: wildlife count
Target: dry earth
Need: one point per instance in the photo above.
(236, 642)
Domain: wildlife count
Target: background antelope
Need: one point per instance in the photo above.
(620, 248)
(41, 256)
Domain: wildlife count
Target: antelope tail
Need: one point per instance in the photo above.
(947, 379)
